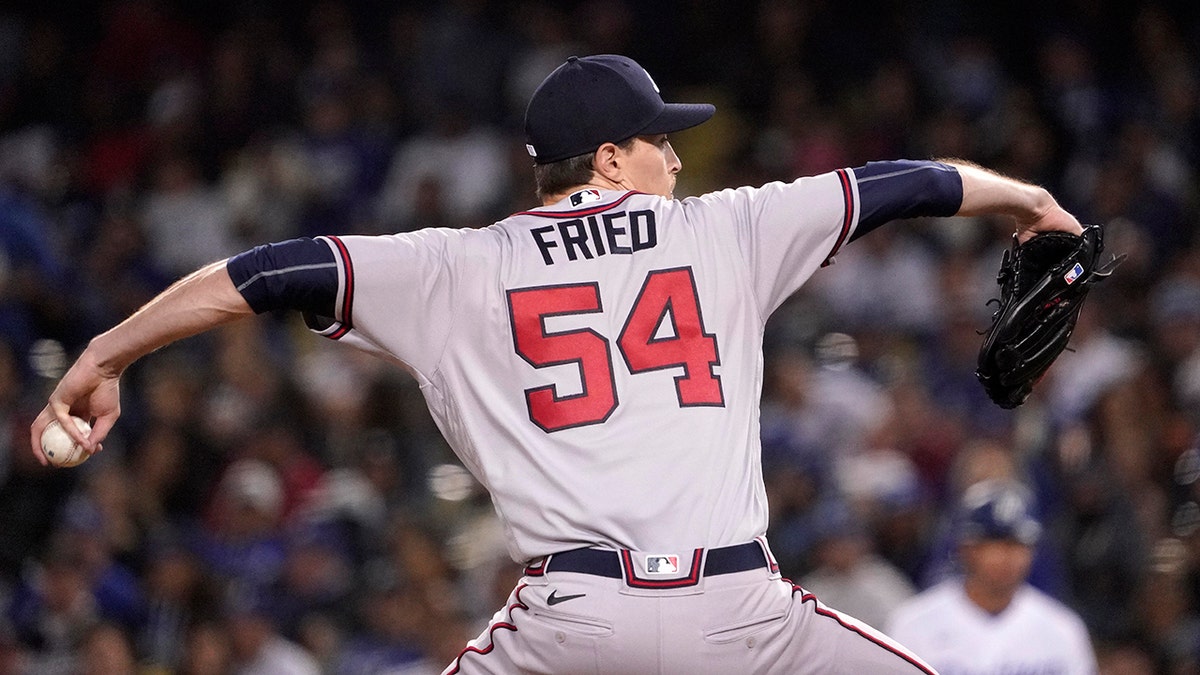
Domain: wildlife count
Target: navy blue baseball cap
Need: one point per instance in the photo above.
(998, 510)
(592, 100)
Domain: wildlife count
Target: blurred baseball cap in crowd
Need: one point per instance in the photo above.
(994, 509)
(592, 100)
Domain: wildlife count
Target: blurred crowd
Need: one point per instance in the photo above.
(273, 502)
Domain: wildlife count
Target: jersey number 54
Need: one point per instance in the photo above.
(666, 295)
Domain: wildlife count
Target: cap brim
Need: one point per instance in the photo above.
(679, 116)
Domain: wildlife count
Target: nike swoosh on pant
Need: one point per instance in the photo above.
(554, 598)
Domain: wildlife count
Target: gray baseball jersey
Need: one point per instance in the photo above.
(597, 365)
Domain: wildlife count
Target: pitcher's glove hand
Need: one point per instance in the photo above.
(1043, 284)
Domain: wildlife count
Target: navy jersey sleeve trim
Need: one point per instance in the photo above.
(905, 189)
(300, 274)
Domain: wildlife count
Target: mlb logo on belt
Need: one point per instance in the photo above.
(1073, 274)
(662, 564)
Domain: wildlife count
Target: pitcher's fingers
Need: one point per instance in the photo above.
(62, 413)
(100, 428)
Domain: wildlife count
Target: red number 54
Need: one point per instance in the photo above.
(666, 296)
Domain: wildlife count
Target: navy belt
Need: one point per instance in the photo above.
(619, 565)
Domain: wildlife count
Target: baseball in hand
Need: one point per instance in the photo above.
(58, 447)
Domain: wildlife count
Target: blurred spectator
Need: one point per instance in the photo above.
(347, 159)
(31, 269)
(179, 595)
(1097, 361)
(813, 415)
(317, 576)
(258, 648)
(393, 635)
(268, 184)
(822, 400)
(188, 223)
(991, 620)
(276, 441)
(241, 543)
(1167, 617)
(452, 176)
(86, 534)
(980, 461)
(208, 650)
(930, 435)
(53, 610)
(884, 282)
(1073, 91)
(876, 478)
(850, 576)
(1104, 546)
(1175, 311)
(106, 651)
(247, 388)
(118, 273)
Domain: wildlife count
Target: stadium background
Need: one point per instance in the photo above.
(264, 482)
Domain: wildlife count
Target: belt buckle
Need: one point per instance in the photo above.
(661, 570)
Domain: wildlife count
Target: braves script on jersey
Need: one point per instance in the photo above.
(1034, 635)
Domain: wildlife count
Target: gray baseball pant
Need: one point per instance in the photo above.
(668, 614)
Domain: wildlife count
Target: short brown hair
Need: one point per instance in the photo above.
(558, 177)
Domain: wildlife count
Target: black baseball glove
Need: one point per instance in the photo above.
(1043, 284)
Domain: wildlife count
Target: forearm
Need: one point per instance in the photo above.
(898, 189)
(988, 193)
(202, 300)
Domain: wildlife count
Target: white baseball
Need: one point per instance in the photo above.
(58, 447)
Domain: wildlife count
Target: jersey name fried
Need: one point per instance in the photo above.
(613, 232)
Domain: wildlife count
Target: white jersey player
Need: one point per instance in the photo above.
(597, 364)
(990, 621)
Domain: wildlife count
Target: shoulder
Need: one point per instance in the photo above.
(804, 197)
(1053, 612)
(934, 602)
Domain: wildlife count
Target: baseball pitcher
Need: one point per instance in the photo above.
(596, 362)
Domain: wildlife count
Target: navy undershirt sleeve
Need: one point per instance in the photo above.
(905, 189)
(298, 274)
